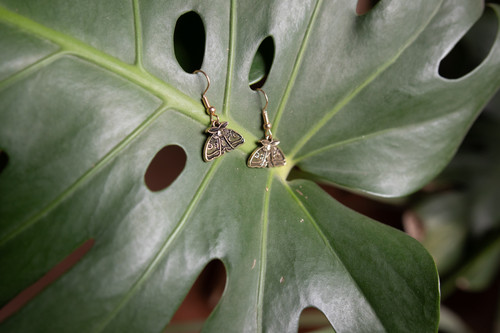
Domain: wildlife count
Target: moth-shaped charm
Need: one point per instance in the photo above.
(269, 155)
(221, 140)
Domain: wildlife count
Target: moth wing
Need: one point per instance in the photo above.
(233, 138)
(277, 157)
(259, 158)
(212, 148)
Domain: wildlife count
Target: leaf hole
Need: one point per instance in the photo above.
(18, 302)
(262, 63)
(201, 300)
(4, 159)
(314, 320)
(472, 49)
(364, 6)
(189, 41)
(165, 167)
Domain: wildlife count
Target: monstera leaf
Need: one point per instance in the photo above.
(92, 90)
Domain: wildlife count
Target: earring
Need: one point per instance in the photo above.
(221, 139)
(269, 155)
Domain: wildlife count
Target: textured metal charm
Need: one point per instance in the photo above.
(269, 155)
(220, 141)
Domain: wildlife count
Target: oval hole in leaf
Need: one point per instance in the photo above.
(4, 159)
(364, 6)
(201, 300)
(313, 320)
(472, 49)
(261, 64)
(165, 167)
(18, 302)
(189, 41)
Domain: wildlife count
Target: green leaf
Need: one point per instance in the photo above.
(444, 218)
(91, 90)
(478, 273)
(476, 171)
(451, 322)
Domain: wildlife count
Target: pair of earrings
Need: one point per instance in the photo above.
(222, 139)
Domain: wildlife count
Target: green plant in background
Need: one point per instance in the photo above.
(460, 215)
(90, 91)
(459, 210)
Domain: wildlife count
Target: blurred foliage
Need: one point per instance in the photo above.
(459, 212)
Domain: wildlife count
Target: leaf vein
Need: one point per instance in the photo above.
(372, 135)
(33, 68)
(230, 58)
(296, 67)
(163, 249)
(344, 101)
(132, 73)
(327, 243)
(138, 34)
(263, 252)
(88, 174)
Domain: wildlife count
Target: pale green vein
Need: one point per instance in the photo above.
(138, 34)
(87, 175)
(230, 57)
(296, 66)
(178, 100)
(403, 129)
(165, 246)
(339, 144)
(33, 68)
(263, 251)
(344, 101)
(325, 240)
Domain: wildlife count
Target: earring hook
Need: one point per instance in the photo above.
(208, 79)
(267, 125)
(210, 109)
(265, 95)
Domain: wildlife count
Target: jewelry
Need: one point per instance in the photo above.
(269, 155)
(221, 139)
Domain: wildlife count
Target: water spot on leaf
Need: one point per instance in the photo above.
(18, 302)
(364, 6)
(311, 319)
(189, 41)
(201, 300)
(262, 63)
(165, 167)
(472, 49)
(4, 159)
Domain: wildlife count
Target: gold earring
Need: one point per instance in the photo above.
(221, 139)
(269, 155)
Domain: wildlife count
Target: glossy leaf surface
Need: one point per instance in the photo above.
(92, 90)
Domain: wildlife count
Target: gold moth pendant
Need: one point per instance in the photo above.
(220, 141)
(269, 155)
